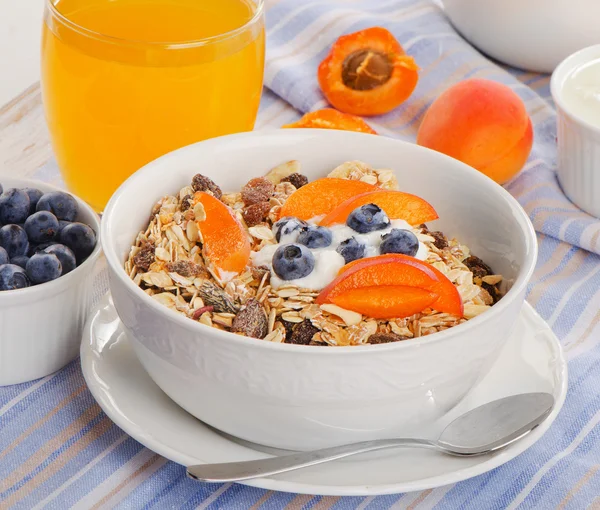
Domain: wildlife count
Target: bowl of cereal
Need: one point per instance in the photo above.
(308, 288)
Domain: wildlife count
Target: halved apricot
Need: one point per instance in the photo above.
(225, 242)
(328, 118)
(367, 73)
(392, 301)
(395, 269)
(322, 196)
(396, 204)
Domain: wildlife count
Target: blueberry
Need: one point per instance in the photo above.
(286, 226)
(292, 261)
(351, 250)
(59, 203)
(14, 240)
(399, 241)
(41, 227)
(37, 248)
(315, 237)
(62, 224)
(14, 206)
(34, 195)
(20, 260)
(13, 277)
(367, 218)
(65, 255)
(43, 267)
(3, 256)
(80, 238)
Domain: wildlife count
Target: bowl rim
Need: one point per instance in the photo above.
(560, 74)
(61, 283)
(519, 214)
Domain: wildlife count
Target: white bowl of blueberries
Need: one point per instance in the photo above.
(48, 248)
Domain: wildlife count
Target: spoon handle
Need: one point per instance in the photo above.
(239, 471)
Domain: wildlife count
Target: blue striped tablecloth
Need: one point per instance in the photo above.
(58, 450)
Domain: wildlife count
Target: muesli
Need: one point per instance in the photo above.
(343, 260)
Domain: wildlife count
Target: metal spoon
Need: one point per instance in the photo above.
(485, 429)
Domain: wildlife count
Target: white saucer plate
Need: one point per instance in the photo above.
(532, 360)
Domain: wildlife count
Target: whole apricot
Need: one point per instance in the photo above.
(482, 123)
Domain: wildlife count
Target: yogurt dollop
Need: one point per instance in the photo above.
(328, 261)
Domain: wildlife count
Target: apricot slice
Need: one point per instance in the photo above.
(225, 242)
(395, 269)
(396, 204)
(328, 118)
(322, 196)
(392, 301)
(367, 73)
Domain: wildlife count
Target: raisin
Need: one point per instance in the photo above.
(145, 257)
(492, 291)
(477, 266)
(251, 321)
(289, 329)
(256, 213)
(186, 268)
(202, 183)
(302, 333)
(257, 190)
(385, 338)
(424, 228)
(298, 180)
(259, 272)
(186, 203)
(440, 240)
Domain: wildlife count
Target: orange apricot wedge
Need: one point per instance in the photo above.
(392, 301)
(322, 196)
(225, 242)
(394, 269)
(396, 204)
(328, 118)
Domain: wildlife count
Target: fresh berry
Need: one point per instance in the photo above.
(65, 255)
(367, 218)
(288, 226)
(20, 260)
(399, 241)
(315, 237)
(13, 277)
(14, 240)
(80, 238)
(3, 256)
(37, 248)
(292, 261)
(34, 197)
(41, 227)
(14, 206)
(59, 203)
(43, 267)
(62, 224)
(351, 250)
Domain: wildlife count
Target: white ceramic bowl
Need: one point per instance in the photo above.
(41, 326)
(531, 34)
(302, 397)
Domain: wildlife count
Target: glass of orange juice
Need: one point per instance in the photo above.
(125, 81)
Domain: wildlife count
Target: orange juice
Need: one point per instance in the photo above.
(125, 81)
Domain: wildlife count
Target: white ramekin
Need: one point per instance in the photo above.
(578, 158)
(302, 397)
(41, 326)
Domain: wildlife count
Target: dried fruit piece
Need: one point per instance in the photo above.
(477, 266)
(395, 270)
(256, 213)
(328, 118)
(216, 297)
(225, 240)
(296, 179)
(202, 183)
(251, 321)
(259, 272)
(145, 257)
(186, 268)
(367, 73)
(441, 241)
(322, 196)
(385, 338)
(301, 334)
(396, 204)
(386, 302)
(257, 190)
